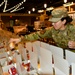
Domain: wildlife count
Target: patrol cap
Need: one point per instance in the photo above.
(58, 13)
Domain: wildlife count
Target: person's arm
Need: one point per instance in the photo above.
(71, 36)
(46, 33)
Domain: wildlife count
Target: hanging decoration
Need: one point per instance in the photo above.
(14, 8)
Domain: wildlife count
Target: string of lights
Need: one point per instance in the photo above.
(14, 8)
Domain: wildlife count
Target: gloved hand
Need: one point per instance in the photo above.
(15, 40)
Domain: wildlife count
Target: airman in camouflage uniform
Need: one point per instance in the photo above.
(62, 32)
(61, 38)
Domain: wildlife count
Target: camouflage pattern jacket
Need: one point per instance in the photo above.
(61, 37)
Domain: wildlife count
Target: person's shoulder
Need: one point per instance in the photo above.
(71, 26)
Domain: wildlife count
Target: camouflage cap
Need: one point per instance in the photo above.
(58, 13)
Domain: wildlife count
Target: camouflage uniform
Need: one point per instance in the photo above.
(61, 37)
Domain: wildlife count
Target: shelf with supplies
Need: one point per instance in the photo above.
(71, 11)
(70, 6)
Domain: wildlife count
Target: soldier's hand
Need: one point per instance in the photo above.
(15, 40)
(71, 44)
